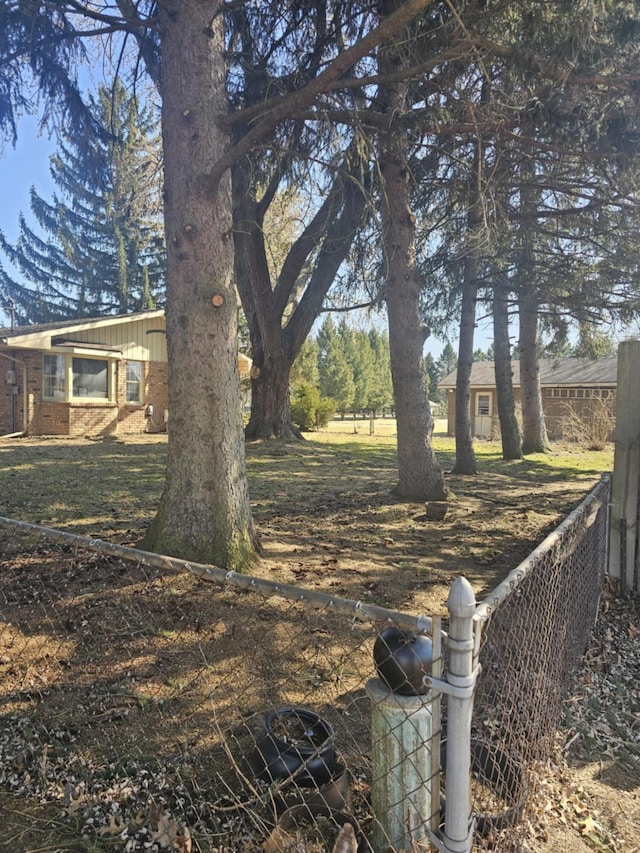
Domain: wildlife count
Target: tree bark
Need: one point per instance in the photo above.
(465, 455)
(534, 430)
(509, 427)
(204, 512)
(419, 475)
(276, 327)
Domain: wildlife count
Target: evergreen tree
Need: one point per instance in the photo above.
(305, 367)
(98, 247)
(359, 356)
(447, 362)
(593, 344)
(382, 391)
(336, 374)
(431, 369)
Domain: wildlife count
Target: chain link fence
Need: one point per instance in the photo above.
(152, 705)
(535, 628)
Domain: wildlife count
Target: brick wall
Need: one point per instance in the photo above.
(133, 417)
(79, 418)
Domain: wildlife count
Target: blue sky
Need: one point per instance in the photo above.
(21, 168)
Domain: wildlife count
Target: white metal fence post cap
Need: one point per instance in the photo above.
(462, 599)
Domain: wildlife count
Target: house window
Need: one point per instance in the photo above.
(90, 378)
(53, 371)
(483, 405)
(134, 382)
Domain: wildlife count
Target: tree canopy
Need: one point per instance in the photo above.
(97, 246)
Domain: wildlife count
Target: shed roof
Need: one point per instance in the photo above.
(553, 372)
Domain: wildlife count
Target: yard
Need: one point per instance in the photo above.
(327, 521)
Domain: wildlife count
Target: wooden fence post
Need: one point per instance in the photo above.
(623, 548)
(402, 767)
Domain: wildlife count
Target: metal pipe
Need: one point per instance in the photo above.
(349, 607)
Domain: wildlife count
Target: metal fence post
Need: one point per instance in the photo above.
(461, 678)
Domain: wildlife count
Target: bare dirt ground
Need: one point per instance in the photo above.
(327, 520)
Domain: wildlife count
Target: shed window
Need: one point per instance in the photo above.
(53, 371)
(483, 405)
(134, 382)
(91, 378)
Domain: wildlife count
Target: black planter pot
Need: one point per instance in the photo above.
(402, 660)
(295, 744)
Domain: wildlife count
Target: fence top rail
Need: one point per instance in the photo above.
(588, 509)
(321, 600)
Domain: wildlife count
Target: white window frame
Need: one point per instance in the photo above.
(65, 392)
(128, 383)
(489, 397)
(60, 380)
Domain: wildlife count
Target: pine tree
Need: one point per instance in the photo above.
(382, 392)
(97, 248)
(336, 374)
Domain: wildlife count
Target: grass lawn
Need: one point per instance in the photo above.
(132, 696)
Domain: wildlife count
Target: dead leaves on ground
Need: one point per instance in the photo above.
(163, 829)
(559, 800)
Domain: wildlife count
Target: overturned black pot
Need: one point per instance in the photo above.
(402, 660)
(295, 744)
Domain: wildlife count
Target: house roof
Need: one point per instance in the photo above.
(553, 372)
(42, 336)
(26, 334)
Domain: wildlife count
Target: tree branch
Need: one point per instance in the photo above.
(289, 104)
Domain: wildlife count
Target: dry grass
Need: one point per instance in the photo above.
(103, 659)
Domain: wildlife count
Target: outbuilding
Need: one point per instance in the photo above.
(568, 385)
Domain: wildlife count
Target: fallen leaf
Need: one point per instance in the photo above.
(115, 827)
(167, 831)
(183, 842)
(588, 826)
(346, 840)
(277, 842)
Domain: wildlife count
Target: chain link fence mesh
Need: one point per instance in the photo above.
(536, 627)
(139, 709)
(149, 707)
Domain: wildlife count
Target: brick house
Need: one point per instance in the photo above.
(92, 376)
(567, 384)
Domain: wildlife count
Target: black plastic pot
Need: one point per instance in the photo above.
(402, 660)
(295, 744)
(504, 776)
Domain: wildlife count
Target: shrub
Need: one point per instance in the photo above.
(593, 427)
(309, 410)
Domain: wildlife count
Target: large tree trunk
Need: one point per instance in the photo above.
(465, 455)
(204, 512)
(270, 412)
(534, 430)
(270, 398)
(509, 427)
(419, 475)
(278, 324)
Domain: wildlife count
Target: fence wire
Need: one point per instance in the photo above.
(144, 708)
(536, 627)
(147, 707)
